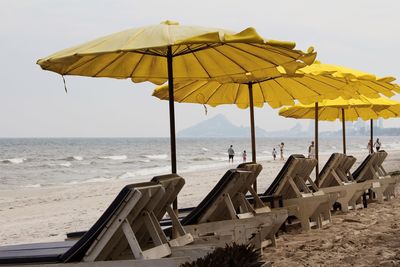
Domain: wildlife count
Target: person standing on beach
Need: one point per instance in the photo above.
(311, 151)
(274, 153)
(231, 153)
(377, 145)
(244, 155)
(281, 146)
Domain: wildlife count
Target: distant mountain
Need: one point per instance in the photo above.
(295, 131)
(219, 126)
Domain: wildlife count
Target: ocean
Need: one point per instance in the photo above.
(41, 162)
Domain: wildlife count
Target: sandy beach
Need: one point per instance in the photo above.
(367, 237)
(362, 237)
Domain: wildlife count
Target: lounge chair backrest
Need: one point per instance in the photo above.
(297, 169)
(381, 156)
(366, 171)
(134, 200)
(347, 164)
(255, 168)
(173, 184)
(213, 206)
(303, 175)
(326, 178)
(290, 163)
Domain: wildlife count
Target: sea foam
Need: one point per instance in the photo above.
(118, 157)
(14, 160)
(72, 158)
(157, 156)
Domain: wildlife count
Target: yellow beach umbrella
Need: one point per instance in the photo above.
(172, 52)
(309, 85)
(344, 110)
(199, 53)
(330, 110)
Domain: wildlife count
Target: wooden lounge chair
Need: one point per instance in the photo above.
(334, 181)
(225, 215)
(301, 196)
(128, 230)
(367, 171)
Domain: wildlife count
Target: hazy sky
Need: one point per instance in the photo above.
(361, 34)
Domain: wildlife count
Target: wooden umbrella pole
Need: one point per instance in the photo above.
(253, 130)
(171, 109)
(344, 130)
(372, 137)
(172, 117)
(316, 144)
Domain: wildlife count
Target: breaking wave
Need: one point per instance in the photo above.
(118, 157)
(13, 161)
(156, 156)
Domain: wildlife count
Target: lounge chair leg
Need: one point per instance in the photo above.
(257, 201)
(177, 229)
(345, 207)
(230, 206)
(152, 228)
(365, 201)
(379, 195)
(273, 240)
(133, 243)
(305, 223)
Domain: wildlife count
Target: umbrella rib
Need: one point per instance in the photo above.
(79, 65)
(230, 59)
(262, 92)
(386, 85)
(378, 92)
(184, 86)
(147, 51)
(237, 93)
(213, 93)
(312, 77)
(191, 93)
(259, 57)
(280, 51)
(306, 86)
(200, 48)
(289, 93)
(137, 64)
(201, 64)
(112, 61)
(355, 110)
(289, 112)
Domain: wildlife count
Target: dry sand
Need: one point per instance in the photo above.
(367, 237)
(46, 214)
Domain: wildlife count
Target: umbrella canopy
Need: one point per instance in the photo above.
(330, 110)
(199, 53)
(344, 110)
(311, 84)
